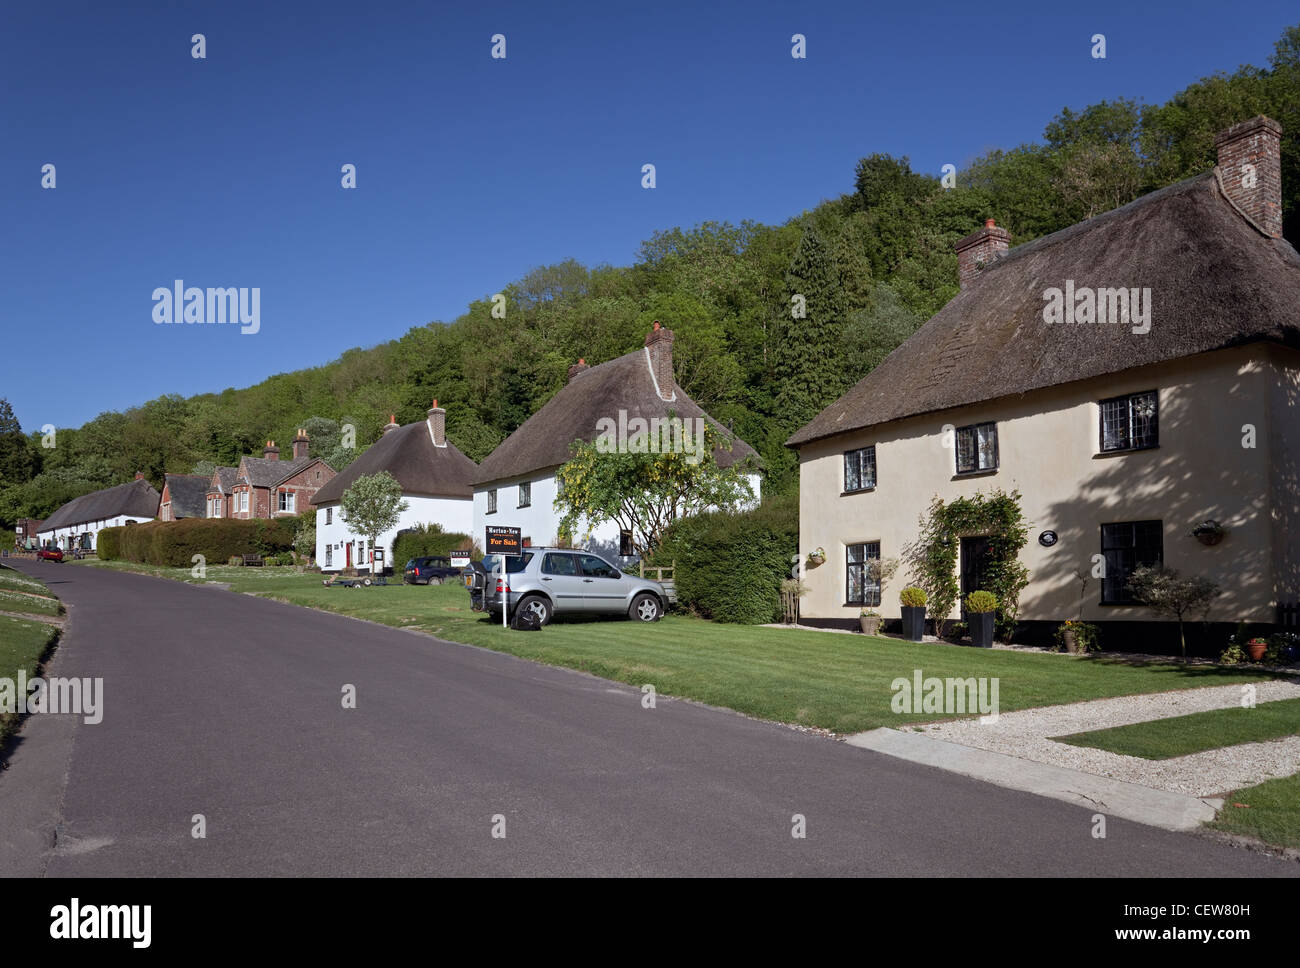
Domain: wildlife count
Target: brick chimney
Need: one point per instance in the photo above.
(1250, 171)
(577, 368)
(300, 444)
(659, 350)
(979, 249)
(438, 424)
(271, 452)
(392, 423)
(139, 475)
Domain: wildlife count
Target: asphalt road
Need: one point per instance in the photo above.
(230, 706)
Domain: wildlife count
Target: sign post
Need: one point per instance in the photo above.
(503, 542)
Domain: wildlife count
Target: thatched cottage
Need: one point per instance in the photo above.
(516, 485)
(1132, 376)
(77, 524)
(434, 476)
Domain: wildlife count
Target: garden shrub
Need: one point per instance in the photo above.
(108, 544)
(175, 543)
(426, 540)
(912, 597)
(981, 602)
(730, 565)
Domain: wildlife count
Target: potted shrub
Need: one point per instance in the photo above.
(1256, 648)
(870, 621)
(816, 557)
(1076, 637)
(913, 600)
(981, 609)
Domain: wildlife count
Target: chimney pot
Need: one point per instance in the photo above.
(271, 452)
(1250, 171)
(301, 444)
(979, 249)
(577, 368)
(139, 475)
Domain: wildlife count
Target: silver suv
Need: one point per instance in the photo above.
(566, 581)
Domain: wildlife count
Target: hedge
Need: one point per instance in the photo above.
(730, 565)
(175, 543)
(426, 540)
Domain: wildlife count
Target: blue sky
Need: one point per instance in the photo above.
(470, 171)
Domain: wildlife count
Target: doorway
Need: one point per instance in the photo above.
(975, 559)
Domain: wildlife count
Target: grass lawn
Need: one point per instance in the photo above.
(1161, 739)
(836, 682)
(1271, 812)
(18, 593)
(23, 644)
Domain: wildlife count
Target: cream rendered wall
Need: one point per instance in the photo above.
(1048, 448)
(1284, 467)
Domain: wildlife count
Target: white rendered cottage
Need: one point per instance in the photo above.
(434, 476)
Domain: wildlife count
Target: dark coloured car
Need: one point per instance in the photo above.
(432, 570)
(50, 554)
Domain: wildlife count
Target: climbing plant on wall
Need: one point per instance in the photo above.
(932, 558)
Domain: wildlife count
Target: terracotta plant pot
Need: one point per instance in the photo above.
(870, 624)
(1256, 650)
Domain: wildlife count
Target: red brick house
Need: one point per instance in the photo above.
(266, 486)
(183, 496)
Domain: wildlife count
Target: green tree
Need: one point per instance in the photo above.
(1173, 594)
(644, 493)
(373, 505)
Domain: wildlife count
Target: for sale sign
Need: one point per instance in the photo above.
(503, 541)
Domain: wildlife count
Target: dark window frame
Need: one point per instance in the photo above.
(870, 590)
(491, 501)
(863, 456)
(526, 494)
(973, 431)
(1146, 441)
(1124, 553)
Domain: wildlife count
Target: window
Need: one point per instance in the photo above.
(243, 500)
(554, 564)
(1126, 547)
(361, 552)
(525, 495)
(1131, 422)
(626, 546)
(329, 556)
(286, 500)
(514, 563)
(860, 469)
(492, 501)
(329, 515)
(977, 448)
(860, 588)
(594, 567)
(216, 504)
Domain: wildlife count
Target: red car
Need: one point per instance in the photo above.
(50, 554)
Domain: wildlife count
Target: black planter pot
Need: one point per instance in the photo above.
(914, 622)
(981, 629)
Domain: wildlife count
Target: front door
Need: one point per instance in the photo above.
(974, 568)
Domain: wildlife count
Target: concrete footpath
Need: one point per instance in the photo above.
(1115, 798)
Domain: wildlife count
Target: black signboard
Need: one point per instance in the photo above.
(503, 541)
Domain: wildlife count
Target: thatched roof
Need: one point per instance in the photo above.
(188, 493)
(136, 498)
(409, 454)
(1215, 281)
(543, 440)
